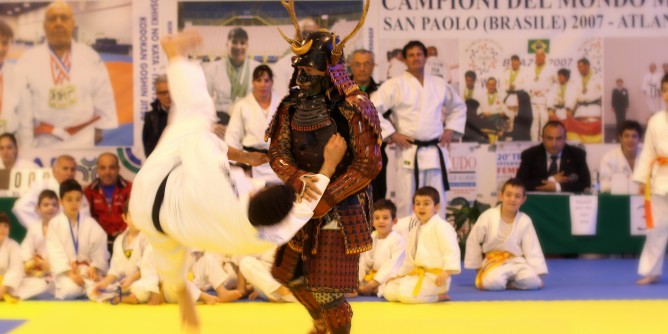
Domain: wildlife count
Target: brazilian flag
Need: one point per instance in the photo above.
(539, 44)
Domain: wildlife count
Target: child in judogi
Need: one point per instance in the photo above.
(255, 270)
(387, 253)
(76, 246)
(503, 246)
(432, 255)
(207, 272)
(11, 264)
(124, 270)
(33, 248)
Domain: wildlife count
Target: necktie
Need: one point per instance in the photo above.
(553, 166)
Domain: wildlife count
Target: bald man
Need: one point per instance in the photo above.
(24, 209)
(107, 194)
(67, 95)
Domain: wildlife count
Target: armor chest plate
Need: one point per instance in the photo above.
(308, 147)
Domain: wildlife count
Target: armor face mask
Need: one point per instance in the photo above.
(311, 84)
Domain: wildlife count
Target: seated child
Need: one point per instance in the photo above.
(503, 245)
(432, 255)
(76, 246)
(11, 264)
(207, 272)
(387, 253)
(256, 272)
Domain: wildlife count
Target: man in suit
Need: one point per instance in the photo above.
(620, 102)
(554, 166)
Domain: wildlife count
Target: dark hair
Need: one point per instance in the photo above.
(46, 194)
(4, 218)
(554, 123)
(490, 78)
(470, 74)
(68, 186)
(6, 30)
(565, 72)
(411, 45)
(584, 61)
(11, 137)
(237, 33)
(514, 182)
(429, 192)
(270, 205)
(385, 204)
(514, 57)
(262, 69)
(664, 80)
(630, 125)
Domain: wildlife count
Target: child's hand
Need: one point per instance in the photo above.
(92, 274)
(98, 287)
(76, 278)
(442, 278)
(155, 299)
(74, 266)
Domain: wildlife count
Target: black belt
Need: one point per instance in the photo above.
(253, 149)
(416, 171)
(589, 103)
(157, 204)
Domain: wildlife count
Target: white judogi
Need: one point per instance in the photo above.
(405, 225)
(10, 97)
(87, 93)
(257, 271)
(91, 241)
(395, 68)
(430, 246)
(656, 145)
(522, 81)
(11, 265)
(589, 92)
(562, 97)
(417, 112)
(148, 283)
(218, 82)
(200, 208)
(651, 88)
(246, 129)
(33, 244)
(385, 258)
(25, 208)
(614, 165)
(208, 272)
(540, 82)
(490, 234)
(493, 104)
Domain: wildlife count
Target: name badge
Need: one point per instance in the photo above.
(62, 96)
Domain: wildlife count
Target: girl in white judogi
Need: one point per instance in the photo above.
(652, 173)
(432, 255)
(33, 249)
(207, 272)
(11, 265)
(387, 253)
(503, 245)
(251, 117)
(124, 271)
(76, 246)
(256, 271)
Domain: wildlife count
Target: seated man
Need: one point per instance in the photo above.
(554, 166)
(621, 161)
(183, 195)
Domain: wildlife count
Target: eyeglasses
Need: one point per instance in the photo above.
(361, 65)
(162, 92)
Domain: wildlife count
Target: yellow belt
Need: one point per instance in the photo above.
(648, 193)
(370, 276)
(492, 260)
(420, 272)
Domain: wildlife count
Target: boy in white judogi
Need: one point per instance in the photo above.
(432, 255)
(183, 196)
(33, 248)
(619, 163)
(387, 253)
(652, 173)
(514, 79)
(124, 270)
(503, 245)
(11, 266)
(256, 271)
(76, 246)
(207, 272)
(562, 97)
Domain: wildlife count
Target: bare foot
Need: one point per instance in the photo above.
(208, 299)
(443, 297)
(647, 280)
(350, 294)
(189, 318)
(130, 299)
(319, 327)
(253, 295)
(225, 295)
(180, 44)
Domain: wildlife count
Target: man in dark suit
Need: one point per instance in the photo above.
(554, 166)
(620, 102)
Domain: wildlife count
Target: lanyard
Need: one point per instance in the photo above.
(75, 241)
(60, 67)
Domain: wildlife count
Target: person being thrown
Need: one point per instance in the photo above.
(183, 195)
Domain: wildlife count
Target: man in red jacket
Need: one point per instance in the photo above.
(106, 195)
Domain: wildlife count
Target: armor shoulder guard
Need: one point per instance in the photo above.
(283, 108)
